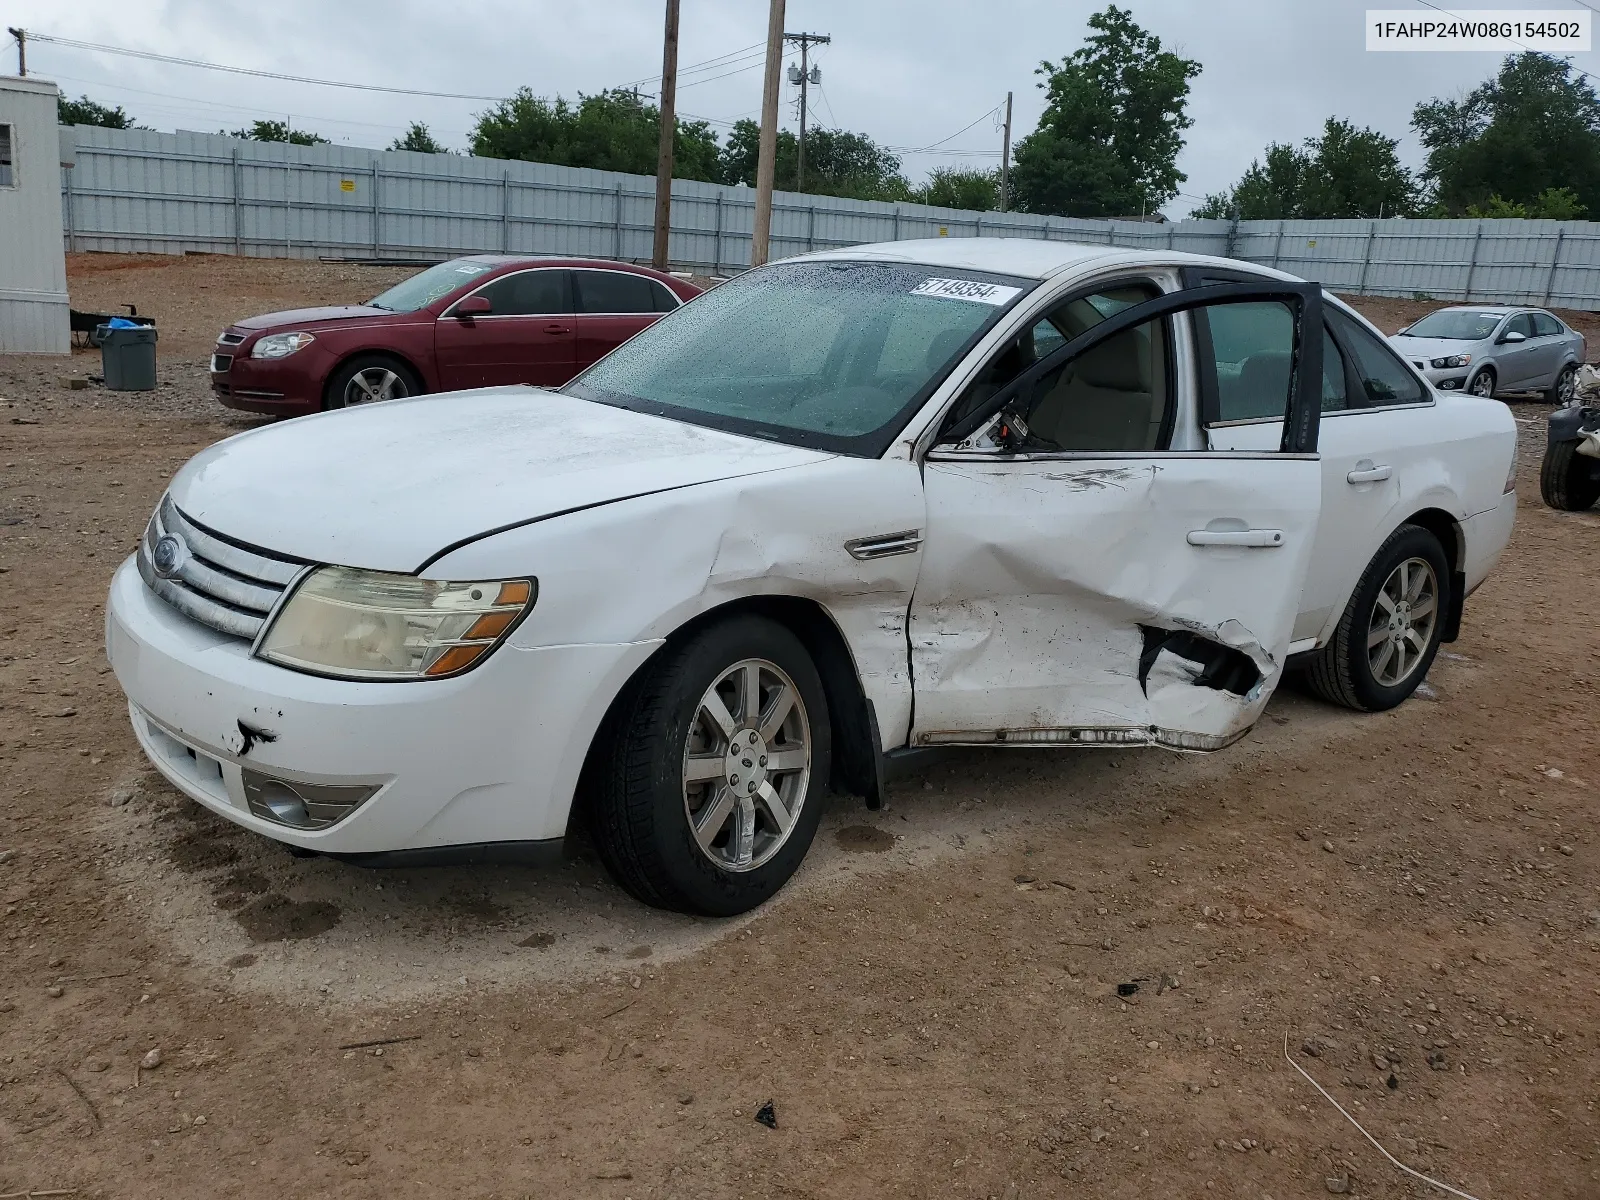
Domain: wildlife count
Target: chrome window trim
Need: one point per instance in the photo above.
(490, 316)
(1001, 456)
(1433, 402)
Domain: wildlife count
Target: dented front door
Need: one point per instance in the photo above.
(1144, 600)
(1084, 583)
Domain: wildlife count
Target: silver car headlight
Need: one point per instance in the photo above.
(1454, 360)
(354, 624)
(280, 345)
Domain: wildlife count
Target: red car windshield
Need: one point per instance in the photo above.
(423, 289)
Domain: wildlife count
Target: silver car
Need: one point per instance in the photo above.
(1487, 348)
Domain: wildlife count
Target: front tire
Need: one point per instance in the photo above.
(1482, 384)
(369, 378)
(1390, 631)
(1568, 480)
(712, 770)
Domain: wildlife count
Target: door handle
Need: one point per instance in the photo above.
(557, 327)
(1266, 539)
(1367, 472)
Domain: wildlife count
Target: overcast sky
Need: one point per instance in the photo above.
(907, 72)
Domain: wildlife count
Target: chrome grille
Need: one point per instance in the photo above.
(218, 582)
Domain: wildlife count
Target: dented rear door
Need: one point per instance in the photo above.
(1133, 595)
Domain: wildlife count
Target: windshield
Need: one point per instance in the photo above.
(422, 290)
(834, 355)
(1456, 325)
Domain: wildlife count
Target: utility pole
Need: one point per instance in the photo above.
(22, 49)
(804, 79)
(669, 127)
(766, 161)
(1005, 158)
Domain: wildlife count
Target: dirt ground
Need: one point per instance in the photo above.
(1410, 902)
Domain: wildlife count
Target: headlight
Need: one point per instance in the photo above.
(1454, 360)
(374, 625)
(280, 345)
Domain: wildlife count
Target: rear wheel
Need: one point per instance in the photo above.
(710, 776)
(1389, 633)
(1568, 480)
(1482, 383)
(1566, 383)
(369, 378)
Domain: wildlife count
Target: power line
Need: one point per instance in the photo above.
(935, 145)
(720, 61)
(1447, 13)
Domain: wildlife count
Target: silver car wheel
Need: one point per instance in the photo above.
(1482, 384)
(746, 765)
(1403, 618)
(1566, 385)
(373, 384)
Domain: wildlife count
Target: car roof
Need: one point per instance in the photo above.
(1031, 258)
(558, 260)
(1498, 309)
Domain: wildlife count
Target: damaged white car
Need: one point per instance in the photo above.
(833, 513)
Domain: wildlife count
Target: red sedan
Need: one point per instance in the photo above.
(473, 322)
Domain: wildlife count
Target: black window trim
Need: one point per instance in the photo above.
(1356, 386)
(654, 312)
(11, 150)
(572, 298)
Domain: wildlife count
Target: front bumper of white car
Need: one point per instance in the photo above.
(480, 765)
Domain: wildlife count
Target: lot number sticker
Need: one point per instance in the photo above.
(966, 289)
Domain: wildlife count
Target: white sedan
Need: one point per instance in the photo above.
(830, 515)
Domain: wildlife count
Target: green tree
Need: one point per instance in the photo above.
(1552, 204)
(958, 187)
(1533, 128)
(84, 111)
(610, 131)
(419, 138)
(1107, 144)
(838, 163)
(277, 131)
(1347, 172)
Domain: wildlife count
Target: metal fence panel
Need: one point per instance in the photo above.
(137, 190)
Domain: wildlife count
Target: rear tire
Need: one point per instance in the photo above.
(689, 807)
(369, 378)
(1562, 388)
(1390, 611)
(1483, 383)
(1568, 480)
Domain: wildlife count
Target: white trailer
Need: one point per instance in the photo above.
(33, 262)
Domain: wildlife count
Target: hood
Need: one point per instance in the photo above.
(301, 317)
(1426, 347)
(388, 486)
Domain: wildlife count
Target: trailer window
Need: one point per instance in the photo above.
(8, 166)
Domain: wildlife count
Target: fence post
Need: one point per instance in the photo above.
(811, 228)
(977, 227)
(288, 210)
(505, 211)
(716, 252)
(1233, 235)
(1170, 232)
(1277, 246)
(1366, 258)
(616, 251)
(377, 239)
(72, 224)
(1472, 264)
(1555, 261)
(896, 223)
(238, 206)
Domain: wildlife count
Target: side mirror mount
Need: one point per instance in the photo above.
(1512, 337)
(474, 306)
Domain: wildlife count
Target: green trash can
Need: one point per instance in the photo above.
(128, 358)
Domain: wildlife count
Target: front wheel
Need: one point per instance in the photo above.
(1390, 630)
(369, 378)
(1483, 383)
(712, 771)
(1568, 480)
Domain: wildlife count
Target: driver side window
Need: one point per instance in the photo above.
(1114, 397)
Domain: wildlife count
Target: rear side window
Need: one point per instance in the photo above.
(1253, 345)
(615, 292)
(1335, 389)
(529, 294)
(1544, 325)
(1384, 379)
(8, 163)
(666, 300)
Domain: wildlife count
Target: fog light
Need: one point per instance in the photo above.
(303, 805)
(1448, 385)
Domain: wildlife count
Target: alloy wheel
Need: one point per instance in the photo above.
(1482, 384)
(746, 765)
(373, 384)
(1403, 618)
(1566, 385)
